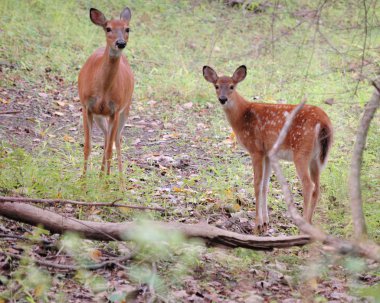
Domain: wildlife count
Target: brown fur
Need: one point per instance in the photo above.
(105, 85)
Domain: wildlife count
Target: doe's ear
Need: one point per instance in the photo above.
(97, 17)
(209, 74)
(240, 74)
(126, 14)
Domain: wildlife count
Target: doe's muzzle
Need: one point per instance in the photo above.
(121, 43)
(223, 99)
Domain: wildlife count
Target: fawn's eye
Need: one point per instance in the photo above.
(231, 87)
(127, 30)
(108, 29)
(216, 86)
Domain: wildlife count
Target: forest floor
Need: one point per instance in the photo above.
(179, 153)
(175, 153)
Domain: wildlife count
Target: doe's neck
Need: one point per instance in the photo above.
(110, 67)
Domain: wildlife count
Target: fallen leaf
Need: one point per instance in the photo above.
(152, 102)
(187, 105)
(68, 138)
(229, 193)
(125, 210)
(236, 207)
(43, 95)
(61, 103)
(180, 294)
(262, 284)
(179, 190)
(95, 255)
(39, 290)
(330, 101)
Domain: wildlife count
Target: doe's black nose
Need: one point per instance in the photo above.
(121, 43)
(222, 99)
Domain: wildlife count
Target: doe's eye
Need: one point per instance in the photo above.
(216, 86)
(127, 30)
(108, 29)
(231, 87)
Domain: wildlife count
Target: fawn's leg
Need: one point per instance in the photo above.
(302, 166)
(315, 173)
(257, 161)
(265, 184)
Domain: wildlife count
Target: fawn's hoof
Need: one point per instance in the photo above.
(262, 228)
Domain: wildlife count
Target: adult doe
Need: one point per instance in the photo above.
(105, 86)
(257, 126)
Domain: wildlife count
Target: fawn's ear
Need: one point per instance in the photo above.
(126, 14)
(239, 74)
(97, 17)
(209, 74)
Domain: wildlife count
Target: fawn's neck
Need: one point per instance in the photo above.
(110, 67)
(235, 109)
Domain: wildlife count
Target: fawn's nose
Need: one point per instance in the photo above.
(120, 43)
(222, 99)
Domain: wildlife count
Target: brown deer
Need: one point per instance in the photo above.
(257, 126)
(105, 86)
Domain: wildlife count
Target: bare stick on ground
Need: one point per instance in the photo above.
(360, 229)
(92, 204)
(12, 112)
(75, 267)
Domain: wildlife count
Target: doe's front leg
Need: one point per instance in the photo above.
(111, 136)
(87, 125)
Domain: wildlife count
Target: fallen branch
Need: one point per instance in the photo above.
(60, 201)
(74, 267)
(10, 112)
(366, 249)
(4, 237)
(360, 228)
(105, 231)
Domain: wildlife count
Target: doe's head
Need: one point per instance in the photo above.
(117, 31)
(224, 86)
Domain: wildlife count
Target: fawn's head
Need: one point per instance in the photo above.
(224, 86)
(117, 31)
